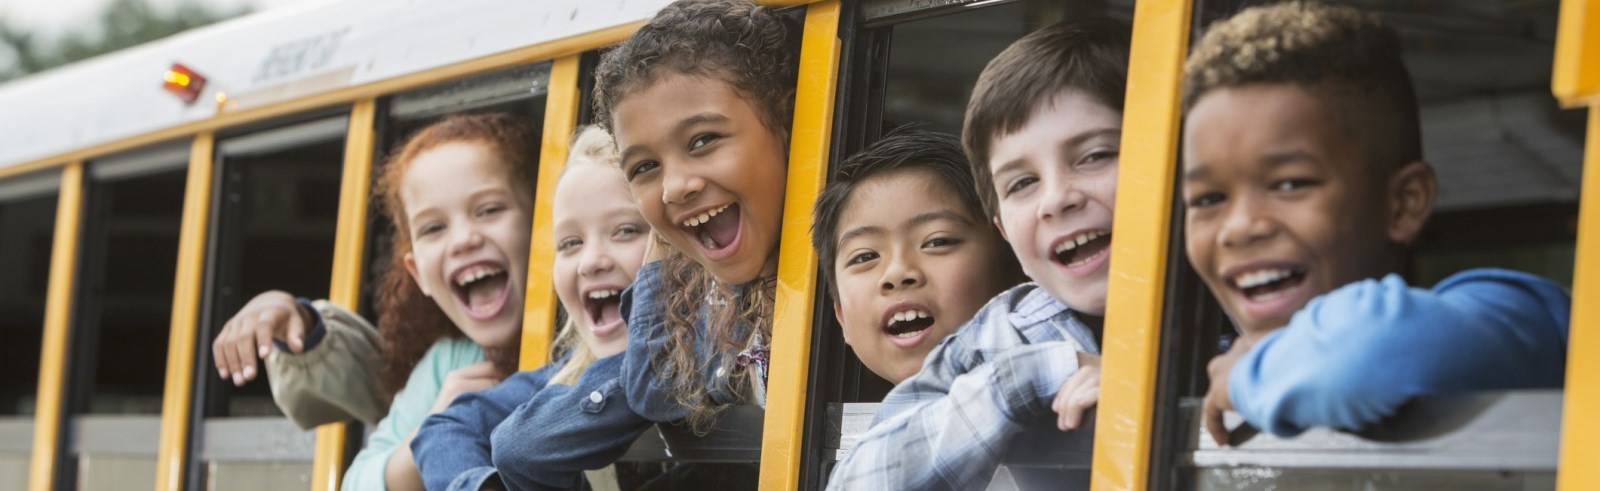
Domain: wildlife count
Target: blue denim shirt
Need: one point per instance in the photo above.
(1355, 355)
(455, 442)
(647, 394)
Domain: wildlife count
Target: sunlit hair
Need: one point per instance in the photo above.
(590, 146)
(408, 321)
(937, 154)
(1349, 58)
(754, 50)
(1087, 54)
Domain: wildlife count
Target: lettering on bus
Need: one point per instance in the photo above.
(299, 56)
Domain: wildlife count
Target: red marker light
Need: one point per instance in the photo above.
(184, 83)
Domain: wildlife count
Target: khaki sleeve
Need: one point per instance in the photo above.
(336, 380)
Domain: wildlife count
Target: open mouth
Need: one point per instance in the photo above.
(482, 289)
(604, 308)
(1260, 285)
(715, 230)
(1083, 248)
(908, 324)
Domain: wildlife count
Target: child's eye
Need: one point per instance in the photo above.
(861, 258)
(1020, 183)
(627, 231)
(641, 167)
(1205, 200)
(1099, 156)
(702, 140)
(429, 229)
(938, 242)
(568, 243)
(1292, 184)
(491, 209)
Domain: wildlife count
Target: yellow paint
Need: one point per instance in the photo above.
(57, 323)
(349, 243)
(1139, 254)
(1580, 431)
(560, 119)
(1576, 77)
(784, 428)
(173, 450)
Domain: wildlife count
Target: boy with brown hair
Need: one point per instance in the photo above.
(1305, 184)
(1043, 131)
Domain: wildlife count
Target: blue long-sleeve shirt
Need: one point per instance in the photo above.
(1352, 357)
(455, 442)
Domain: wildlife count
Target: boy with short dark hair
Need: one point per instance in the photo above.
(1043, 132)
(1304, 184)
(906, 264)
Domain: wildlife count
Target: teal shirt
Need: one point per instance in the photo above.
(410, 407)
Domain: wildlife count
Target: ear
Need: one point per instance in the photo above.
(1002, 228)
(838, 314)
(1412, 190)
(411, 267)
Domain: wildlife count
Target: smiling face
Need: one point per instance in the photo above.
(1281, 207)
(600, 243)
(469, 233)
(707, 174)
(1056, 179)
(913, 265)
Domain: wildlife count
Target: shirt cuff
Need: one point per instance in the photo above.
(475, 478)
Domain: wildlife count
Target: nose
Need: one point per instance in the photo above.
(1061, 196)
(1247, 222)
(680, 185)
(464, 239)
(901, 273)
(595, 260)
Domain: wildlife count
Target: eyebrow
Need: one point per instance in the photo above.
(1075, 141)
(1269, 162)
(684, 125)
(916, 221)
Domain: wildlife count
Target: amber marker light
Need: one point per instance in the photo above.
(184, 83)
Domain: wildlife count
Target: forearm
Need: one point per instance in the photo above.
(400, 470)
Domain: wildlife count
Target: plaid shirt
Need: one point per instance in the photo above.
(948, 426)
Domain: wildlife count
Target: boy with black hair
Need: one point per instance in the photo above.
(1304, 183)
(1043, 131)
(905, 264)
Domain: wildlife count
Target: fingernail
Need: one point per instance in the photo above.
(223, 373)
(249, 372)
(264, 350)
(237, 380)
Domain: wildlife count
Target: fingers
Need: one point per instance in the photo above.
(296, 330)
(266, 324)
(1072, 403)
(244, 351)
(220, 354)
(1213, 420)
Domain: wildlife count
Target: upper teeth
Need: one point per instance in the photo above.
(912, 314)
(476, 273)
(602, 294)
(1078, 240)
(704, 217)
(1261, 277)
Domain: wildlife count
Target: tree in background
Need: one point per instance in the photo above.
(123, 23)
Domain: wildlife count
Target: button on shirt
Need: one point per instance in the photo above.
(948, 426)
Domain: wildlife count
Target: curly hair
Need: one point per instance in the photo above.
(1339, 52)
(408, 321)
(1087, 54)
(754, 50)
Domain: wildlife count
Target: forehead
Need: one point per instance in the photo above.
(892, 198)
(1068, 114)
(658, 107)
(454, 168)
(588, 186)
(1243, 125)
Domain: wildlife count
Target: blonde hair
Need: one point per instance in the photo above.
(590, 146)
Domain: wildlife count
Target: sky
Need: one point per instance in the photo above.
(52, 17)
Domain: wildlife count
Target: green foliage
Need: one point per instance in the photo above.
(123, 23)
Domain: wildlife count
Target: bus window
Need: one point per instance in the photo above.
(27, 229)
(1508, 162)
(272, 228)
(910, 64)
(122, 315)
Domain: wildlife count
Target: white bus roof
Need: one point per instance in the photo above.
(276, 56)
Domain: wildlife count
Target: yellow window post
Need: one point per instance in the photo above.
(560, 119)
(176, 396)
(57, 324)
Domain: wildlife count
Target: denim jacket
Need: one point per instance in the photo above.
(546, 444)
(455, 442)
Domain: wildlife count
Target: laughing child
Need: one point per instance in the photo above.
(1042, 132)
(1305, 184)
(905, 264)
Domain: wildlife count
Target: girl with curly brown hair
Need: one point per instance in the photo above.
(460, 194)
(699, 101)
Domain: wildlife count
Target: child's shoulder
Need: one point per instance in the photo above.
(1012, 309)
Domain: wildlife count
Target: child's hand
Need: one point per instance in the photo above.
(471, 378)
(249, 334)
(1079, 393)
(1217, 401)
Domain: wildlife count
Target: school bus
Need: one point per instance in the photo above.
(146, 194)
